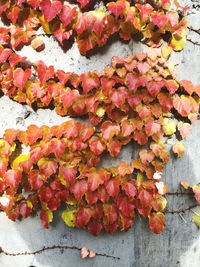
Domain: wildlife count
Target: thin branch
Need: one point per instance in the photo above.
(51, 248)
(194, 43)
(179, 193)
(194, 30)
(182, 210)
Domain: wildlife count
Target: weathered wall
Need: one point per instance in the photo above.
(178, 245)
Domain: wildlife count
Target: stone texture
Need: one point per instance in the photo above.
(178, 245)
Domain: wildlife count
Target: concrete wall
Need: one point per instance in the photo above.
(178, 245)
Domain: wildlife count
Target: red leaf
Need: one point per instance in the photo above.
(45, 194)
(196, 190)
(13, 178)
(103, 194)
(44, 72)
(159, 20)
(184, 129)
(45, 218)
(111, 212)
(125, 222)
(96, 145)
(112, 186)
(94, 227)
(33, 133)
(124, 168)
(145, 197)
(146, 156)
(83, 216)
(10, 135)
(91, 197)
(20, 77)
(69, 173)
(47, 166)
(145, 11)
(125, 205)
(24, 209)
(4, 54)
(95, 178)
(157, 222)
(83, 2)
(109, 129)
(89, 81)
(111, 228)
(50, 9)
(117, 7)
(67, 15)
(114, 147)
(79, 188)
(35, 179)
(129, 187)
(53, 204)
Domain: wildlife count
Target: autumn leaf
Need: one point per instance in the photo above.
(178, 149)
(69, 216)
(196, 190)
(156, 222)
(47, 166)
(50, 9)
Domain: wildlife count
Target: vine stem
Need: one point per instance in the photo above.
(179, 193)
(194, 30)
(51, 248)
(182, 210)
(195, 43)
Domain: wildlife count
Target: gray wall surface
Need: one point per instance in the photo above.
(178, 245)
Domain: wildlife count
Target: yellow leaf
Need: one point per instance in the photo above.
(196, 218)
(69, 216)
(166, 51)
(100, 112)
(178, 43)
(45, 25)
(18, 160)
(169, 127)
(178, 149)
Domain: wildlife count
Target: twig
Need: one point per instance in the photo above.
(194, 30)
(50, 248)
(179, 193)
(195, 43)
(181, 210)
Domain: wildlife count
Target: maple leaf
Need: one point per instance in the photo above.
(95, 178)
(184, 129)
(159, 203)
(146, 156)
(83, 216)
(145, 197)
(47, 166)
(124, 168)
(20, 77)
(157, 222)
(117, 7)
(25, 209)
(125, 205)
(185, 184)
(46, 217)
(109, 129)
(68, 173)
(67, 15)
(84, 252)
(112, 187)
(94, 228)
(111, 212)
(91, 197)
(4, 54)
(196, 190)
(79, 188)
(35, 179)
(178, 149)
(96, 145)
(33, 133)
(44, 72)
(103, 194)
(50, 9)
(89, 81)
(114, 147)
(129, 187)
(145, 11)
(13, 178)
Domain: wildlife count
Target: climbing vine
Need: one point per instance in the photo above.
(137, 98)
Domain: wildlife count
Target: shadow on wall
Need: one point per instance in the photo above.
(191, 258)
